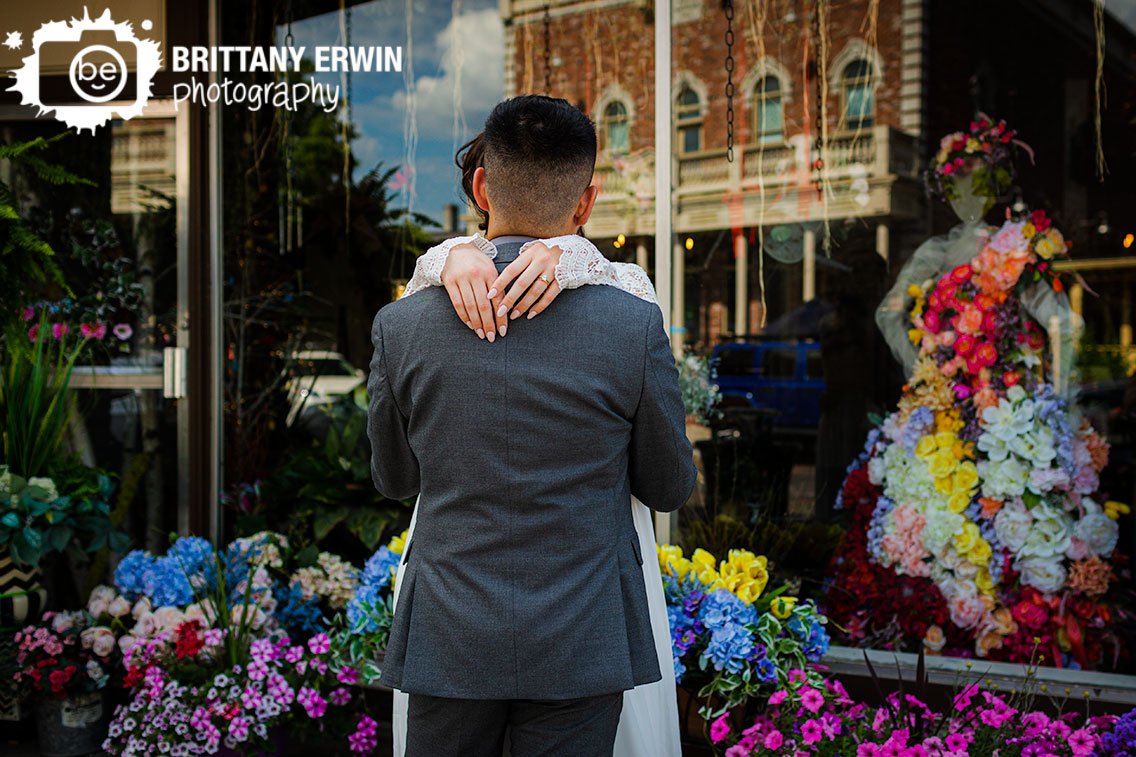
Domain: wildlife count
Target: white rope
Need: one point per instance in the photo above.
(410, 118)
(458, 62)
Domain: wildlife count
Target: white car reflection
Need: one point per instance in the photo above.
(318, 377)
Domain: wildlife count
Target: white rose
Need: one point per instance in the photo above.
(1012, 525)
(877, 471)
(941, 526)
(103, 592)
(1045, 575)
(201, 612)
(1099, 533)
(141, 607)
(100, 640)
(118, 608)
(126, 642)
(97, 607)
(47, 485)
(62, 621)
(1049, 535)
(145, 625)
(168, 618)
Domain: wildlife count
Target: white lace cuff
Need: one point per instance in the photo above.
(581, 263)
(428, 267)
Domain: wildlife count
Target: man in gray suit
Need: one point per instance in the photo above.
(522, 604)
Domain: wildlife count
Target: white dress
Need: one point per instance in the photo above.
(648, 726)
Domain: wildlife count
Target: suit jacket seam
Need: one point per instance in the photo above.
(386, 371)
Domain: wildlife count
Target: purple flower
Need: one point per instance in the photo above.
(123, 331)
(340, 697)
(319, 644)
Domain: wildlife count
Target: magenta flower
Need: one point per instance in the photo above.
(123, 331)
(33, 333)
(60, 330)
(347, 675)
(340, 697)
(93, 330)
(811, 731)
(774, 740)
(957, 742)
(811, 699)
(1082, 742)
(719, 730)
(29, 313)
(319, 644)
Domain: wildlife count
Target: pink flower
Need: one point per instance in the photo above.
(319, 644)
(1082, 742)
(719, 730)
(957, 742)
(778, 697)
(29, 313)
(33, 333)
(60, 330)
(811, 699)
(867, 750)
(811, 731)
(347, 675)
(123, 331)
(774, 740)
(340, 697)
(93, 331)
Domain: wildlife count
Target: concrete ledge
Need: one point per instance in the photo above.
(956, 672)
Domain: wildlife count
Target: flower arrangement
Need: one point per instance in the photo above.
(700, 397)
(722, 621)
(186, 700)
(65, 655)
(976, 524)
(984, 152)
(804, 718)
(359, 641)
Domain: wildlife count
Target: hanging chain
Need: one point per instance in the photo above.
(547, 51)
(728, 6)
(818, 163)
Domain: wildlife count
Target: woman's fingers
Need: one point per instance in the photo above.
(542, 282)
(480, 293)
(501, 283)
(545, 299)
(459, 305)
(471, 307)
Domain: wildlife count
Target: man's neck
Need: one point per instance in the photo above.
(521, 230)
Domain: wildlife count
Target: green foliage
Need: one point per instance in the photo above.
(26, 260)
(35, 404)
(37, 519)
(699, 397)
(327, 487)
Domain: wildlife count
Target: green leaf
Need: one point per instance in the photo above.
(60, 537)
(11, 520)
(33, 537)
(327, 520)
(368, 526)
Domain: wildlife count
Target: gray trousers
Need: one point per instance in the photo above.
(439, 727)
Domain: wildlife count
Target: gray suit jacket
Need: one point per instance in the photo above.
(523, 577)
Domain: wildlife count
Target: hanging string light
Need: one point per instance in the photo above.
(1099, 93)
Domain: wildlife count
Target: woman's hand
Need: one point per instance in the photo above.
(534, 287)
(468, 275)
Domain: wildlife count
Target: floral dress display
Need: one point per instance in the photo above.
(976, 526)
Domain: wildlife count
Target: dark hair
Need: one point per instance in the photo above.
(539, 154)
(469, 158)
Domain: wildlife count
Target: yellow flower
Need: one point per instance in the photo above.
(915, 335)
(966, 477)
(925, 447)
(965, 541)
(942, 463)
(980, 553)
(1029, 230)
(959, 501)
(945, 440)
(972, 145)
(1114, 509)
(706, 567)
(945, 484)
(914, 291)
(681, 567)
(983, 580)
(749, 591)
(668, 553)
(745, 574)
(398, 543)
(1049, 244)
(782, 607)
(947, 422)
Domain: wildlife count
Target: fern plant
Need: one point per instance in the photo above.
(27, 261)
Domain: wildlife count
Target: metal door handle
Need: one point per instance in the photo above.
(173, 372)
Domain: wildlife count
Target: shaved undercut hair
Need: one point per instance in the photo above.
(540, 153)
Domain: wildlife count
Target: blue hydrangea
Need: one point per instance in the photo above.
(680, 670)
(166, 583)
(729, 647)
(722, 607)
(300, 617)
(817, 643)
(129, 576)
(375, 583)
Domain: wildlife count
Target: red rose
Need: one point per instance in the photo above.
(986, 355)
(964, 345)
(961, 274)
(1009, 378)
(988, 323)
(931, 321)
(1040, 221)
(1030, 615)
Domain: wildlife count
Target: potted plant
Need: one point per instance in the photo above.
(700, 397)
(65, 662)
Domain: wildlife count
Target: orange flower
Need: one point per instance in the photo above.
(990, 507)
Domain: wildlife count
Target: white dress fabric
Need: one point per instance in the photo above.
(648, 726)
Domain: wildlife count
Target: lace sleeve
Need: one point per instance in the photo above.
(581, 263)
(428, 267)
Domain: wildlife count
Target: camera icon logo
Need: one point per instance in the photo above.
(109, 72)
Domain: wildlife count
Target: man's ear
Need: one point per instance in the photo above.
(480, 193)
(585, 205)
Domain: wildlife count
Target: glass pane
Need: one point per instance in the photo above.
(691, 138)
(770, 119)
(618, 137)
(859, 104)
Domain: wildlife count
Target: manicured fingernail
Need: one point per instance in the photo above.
(491, 336)
(531, 315)
(492, 293)
(504, 328)
(502, 310)
(515, 315)
(480, 334)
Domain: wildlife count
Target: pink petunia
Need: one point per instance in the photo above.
(811, 699)
(33, 333)
(29, 313)
(93, 331)
(60, 330)
(774, 740)
(811, 731)
(719, 730)
(1082, 742)
(778, 697)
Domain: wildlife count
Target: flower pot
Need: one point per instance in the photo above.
(22, 597)
(71, 727)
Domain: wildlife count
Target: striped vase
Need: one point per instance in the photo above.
(22, 598)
